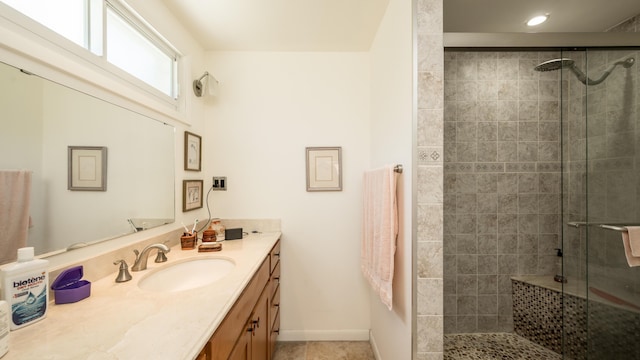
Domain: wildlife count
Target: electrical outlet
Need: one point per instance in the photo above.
(219, 183)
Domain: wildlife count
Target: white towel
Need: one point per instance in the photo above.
(634, 239)
(379, 231)
(15, 194)
(631, 241)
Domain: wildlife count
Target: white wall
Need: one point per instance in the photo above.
(392, 142)
(271, 106)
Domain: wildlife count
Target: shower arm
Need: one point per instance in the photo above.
(587, 81)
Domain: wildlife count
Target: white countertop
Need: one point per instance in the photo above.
(121, 321)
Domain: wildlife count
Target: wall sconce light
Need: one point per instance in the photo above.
(205, 84)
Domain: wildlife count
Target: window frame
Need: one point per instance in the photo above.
(86, 54)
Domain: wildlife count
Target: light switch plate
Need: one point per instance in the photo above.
(219, 183)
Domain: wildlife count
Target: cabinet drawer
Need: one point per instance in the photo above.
(275, 255)
(273, 336)
(274, 309)
(275, 279)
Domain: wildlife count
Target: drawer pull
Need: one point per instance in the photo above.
(276, 254)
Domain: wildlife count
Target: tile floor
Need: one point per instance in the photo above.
(494, 346)
(501, 346)
(323, 350)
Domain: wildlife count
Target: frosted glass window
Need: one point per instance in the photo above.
(111, 31)
(133, 52)
(68, 19)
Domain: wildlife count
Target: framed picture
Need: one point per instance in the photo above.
(192, 151)
(87, 168)
(191, 194)
(324, 169)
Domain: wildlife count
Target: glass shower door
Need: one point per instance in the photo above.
(601, 196)
(574, 208)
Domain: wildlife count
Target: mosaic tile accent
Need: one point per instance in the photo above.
(592, 329)
(458, 167)
(537, 314)
(549, 167)
(489, 167)
(494, 346)
(520, 167)
(429, 155)
(612, 164)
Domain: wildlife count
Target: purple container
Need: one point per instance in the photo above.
(68, 288)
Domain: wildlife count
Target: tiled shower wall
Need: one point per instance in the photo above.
(502, 182)
(429, 283)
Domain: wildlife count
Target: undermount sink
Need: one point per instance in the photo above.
(187, 274)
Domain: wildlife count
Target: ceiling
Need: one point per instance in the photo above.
(281, 25)
(351, 25)
(510, 15)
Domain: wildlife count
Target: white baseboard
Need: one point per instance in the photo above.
(324, 335)
(374, 346)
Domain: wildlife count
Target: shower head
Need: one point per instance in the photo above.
(555, 64)
(627, 63)
(564, 63)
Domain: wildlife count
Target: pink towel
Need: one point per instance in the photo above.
(379, 232)
(15, 194)
(631, 241)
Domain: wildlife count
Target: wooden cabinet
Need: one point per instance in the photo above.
(260, 334)
(242, 350)
(205, 354)
(274, 299)
(250, 329)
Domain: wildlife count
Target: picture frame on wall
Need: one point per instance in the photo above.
(87, 168)
(191, 194)
(192, 151)
(324, 168)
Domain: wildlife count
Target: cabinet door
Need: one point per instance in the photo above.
(260, 334)
(242, 349)
(205, 353)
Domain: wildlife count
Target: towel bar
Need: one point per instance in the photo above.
(398, 168)
(614, 227)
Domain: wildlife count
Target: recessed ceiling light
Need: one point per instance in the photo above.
(537, 20)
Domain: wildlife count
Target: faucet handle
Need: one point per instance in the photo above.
(123, 274)
(161, 257)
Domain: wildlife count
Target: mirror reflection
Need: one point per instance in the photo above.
(40, 121)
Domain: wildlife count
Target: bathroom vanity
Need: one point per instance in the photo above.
(235, 317)
(250, 329)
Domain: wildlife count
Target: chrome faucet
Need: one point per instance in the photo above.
(141, 257)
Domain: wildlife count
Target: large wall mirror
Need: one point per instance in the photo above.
(40, 120)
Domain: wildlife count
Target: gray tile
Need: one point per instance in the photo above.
(487, 284)
(487, 244)
(487, 183)
(528, 131)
